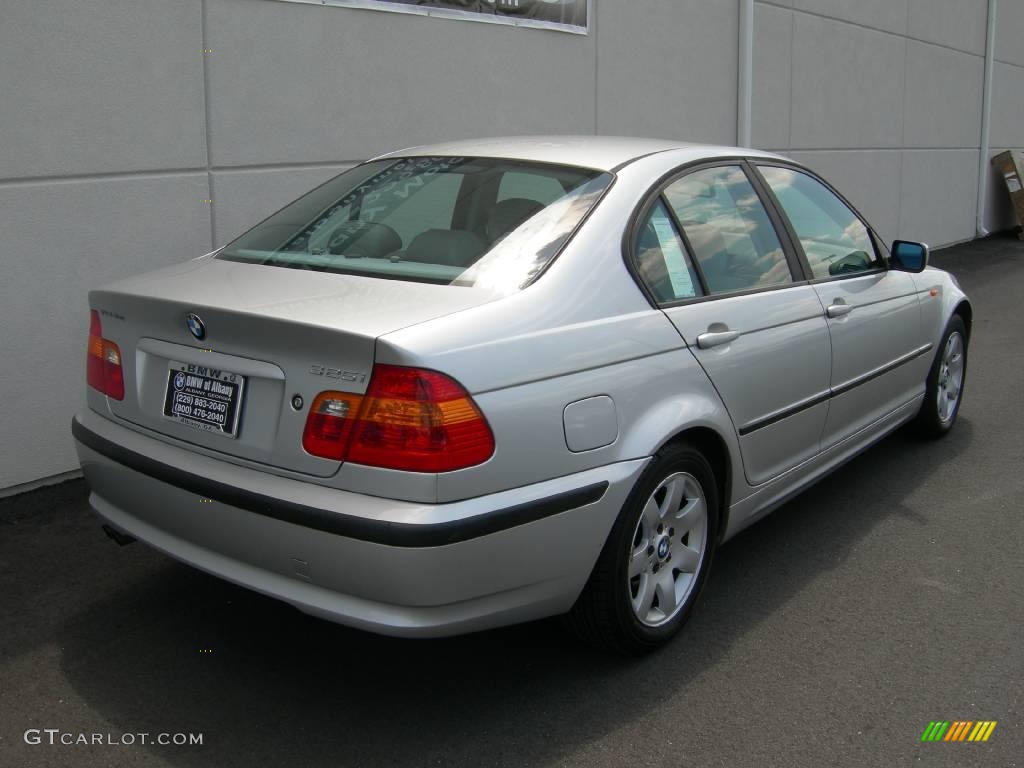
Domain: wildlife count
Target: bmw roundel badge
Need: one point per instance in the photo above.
(195, 325)
(663, 548)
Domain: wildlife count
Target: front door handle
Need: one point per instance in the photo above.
(716, 338)
(838, 308)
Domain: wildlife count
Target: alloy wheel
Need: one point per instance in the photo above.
(951, 377)
(668, 547)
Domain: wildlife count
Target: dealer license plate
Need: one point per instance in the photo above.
(204, 398)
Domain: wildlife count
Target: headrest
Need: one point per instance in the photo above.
(509, 214)
(364, 238)
(451, 247)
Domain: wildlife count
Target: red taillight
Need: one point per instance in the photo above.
(329, 424)
(420, 421)
(103, 361)
(410, 419)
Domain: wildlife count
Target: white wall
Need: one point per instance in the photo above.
(884, 98)
(116, 128)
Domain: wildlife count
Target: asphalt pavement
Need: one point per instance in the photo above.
(830, 634)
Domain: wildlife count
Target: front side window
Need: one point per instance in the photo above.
(728, 230)
(834, 240)
(448, 220)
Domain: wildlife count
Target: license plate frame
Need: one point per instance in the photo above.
(188, 383)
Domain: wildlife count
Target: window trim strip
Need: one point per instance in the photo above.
(798, 275)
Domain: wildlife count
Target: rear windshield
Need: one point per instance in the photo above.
(449, 220)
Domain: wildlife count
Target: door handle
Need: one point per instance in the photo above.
(838, 308)
(716, 338)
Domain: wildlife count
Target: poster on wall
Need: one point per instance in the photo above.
(563, 15)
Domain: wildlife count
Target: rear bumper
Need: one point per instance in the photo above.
(394, 567)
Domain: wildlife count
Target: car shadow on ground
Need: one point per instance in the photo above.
(182, 651)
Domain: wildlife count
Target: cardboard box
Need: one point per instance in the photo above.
(1011, 165)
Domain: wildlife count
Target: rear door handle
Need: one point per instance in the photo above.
(716, 338)
(839, 308)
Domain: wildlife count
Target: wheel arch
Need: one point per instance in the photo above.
(966, 313)
(715, 449)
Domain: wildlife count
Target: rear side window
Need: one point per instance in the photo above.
(834, 240)
(661, 258)
(728, 230)
(449, 220)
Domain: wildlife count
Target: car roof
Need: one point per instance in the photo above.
(604, 153)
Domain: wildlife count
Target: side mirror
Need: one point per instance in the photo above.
(909, 257)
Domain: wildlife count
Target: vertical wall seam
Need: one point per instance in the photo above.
(903, 127)
(903, 94)
(984, 140)
(792, 75)
(899, 197)
(597, 59)
(745, 75)
(206, 123)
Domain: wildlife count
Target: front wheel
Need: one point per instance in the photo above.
(656, 558)
(945, 385)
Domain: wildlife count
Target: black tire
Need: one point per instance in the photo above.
(603, 615)
(929, 421)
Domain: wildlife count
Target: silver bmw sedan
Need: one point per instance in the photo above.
(479, 383)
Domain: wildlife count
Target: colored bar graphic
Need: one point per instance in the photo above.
(935, 730)
(958, 730)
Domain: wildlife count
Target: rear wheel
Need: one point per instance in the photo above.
(945, 385)
(656, 559)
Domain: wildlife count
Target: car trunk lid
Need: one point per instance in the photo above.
(269, 337)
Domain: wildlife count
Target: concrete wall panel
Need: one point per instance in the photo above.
(960, 24)
(773, 62)
(869, 180)
(1010, 32)
(1008, 106)
(940, 189)
(60, 239)
(890, 15)
(669, 70)
(847, 86)
(100, 87)
(362, 82)
(936, 79)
